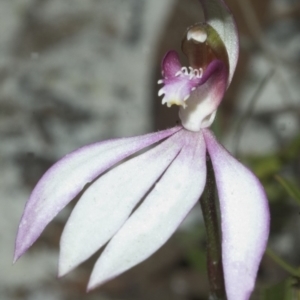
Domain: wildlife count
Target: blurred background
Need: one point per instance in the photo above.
(74, 72)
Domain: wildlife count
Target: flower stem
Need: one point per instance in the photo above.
(214, 251)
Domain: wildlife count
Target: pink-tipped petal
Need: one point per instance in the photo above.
(62, 182)
(244, 220)
(151, 225)
(218, 15)
(109, 201)
(205, 99)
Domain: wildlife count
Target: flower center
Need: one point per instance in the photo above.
(199, 88)
(202, 45)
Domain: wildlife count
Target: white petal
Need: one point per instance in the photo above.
(245, 220)
(151, 225)
(65, 179)
(108, 202)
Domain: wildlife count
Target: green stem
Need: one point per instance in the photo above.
(214, 250)
(292, 271)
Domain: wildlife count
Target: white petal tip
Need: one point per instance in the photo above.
(161, 92)
(64, 269)
(61, 273)
(16, 257)
(93, 284)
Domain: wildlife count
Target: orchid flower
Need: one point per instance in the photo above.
(137, 204)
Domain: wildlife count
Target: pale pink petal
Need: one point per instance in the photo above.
(109, 201)
(151, 225)
(62, 182)
(244, 220)
(217, 15)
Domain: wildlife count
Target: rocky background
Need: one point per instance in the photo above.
(73, 72)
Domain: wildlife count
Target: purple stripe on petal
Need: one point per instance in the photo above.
(217, 15)
(65, 179)
(244, 220)
(152, 224)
